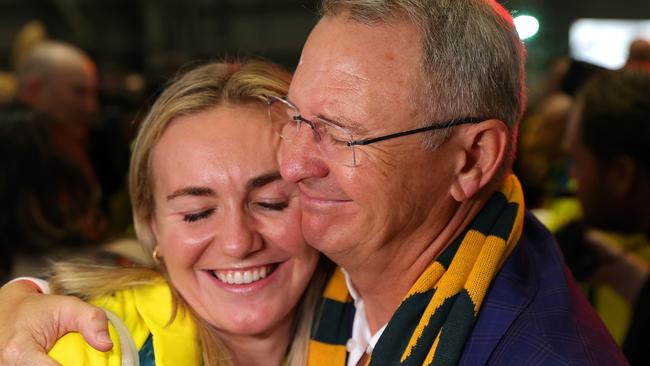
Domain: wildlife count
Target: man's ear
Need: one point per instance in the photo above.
(482, 153)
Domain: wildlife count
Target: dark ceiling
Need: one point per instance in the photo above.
(156, 36)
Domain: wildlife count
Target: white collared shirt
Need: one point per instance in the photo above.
(362, 341)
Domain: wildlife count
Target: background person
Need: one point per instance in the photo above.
(46, 197)
(56, 205)
(60, 80)
(607, 139)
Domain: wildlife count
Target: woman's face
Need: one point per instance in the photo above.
(227, 225)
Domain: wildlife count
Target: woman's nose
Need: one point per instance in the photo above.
(239, 237)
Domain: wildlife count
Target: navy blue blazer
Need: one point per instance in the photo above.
(534, 314)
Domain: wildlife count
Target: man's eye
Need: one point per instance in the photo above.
(338, 140)
(193, 217)
(274, 206)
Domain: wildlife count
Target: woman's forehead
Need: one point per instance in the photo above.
(236, 142)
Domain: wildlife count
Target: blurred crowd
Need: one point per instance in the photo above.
(584, 163)
(64, 144)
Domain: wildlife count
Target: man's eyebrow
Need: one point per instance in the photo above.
(346, 123)
(340, 121)
(191, 191)
(262, 180)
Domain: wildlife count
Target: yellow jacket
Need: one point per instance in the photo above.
(145, 311)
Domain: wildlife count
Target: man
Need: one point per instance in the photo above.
(60, 80)
(57, 99)
(607, 139)
(421, 221)
(390, 209)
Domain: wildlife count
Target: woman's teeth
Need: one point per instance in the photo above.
(233, 277)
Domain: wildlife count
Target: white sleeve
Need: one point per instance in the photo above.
(42, 285)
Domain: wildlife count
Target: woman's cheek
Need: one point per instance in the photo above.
(183, 238)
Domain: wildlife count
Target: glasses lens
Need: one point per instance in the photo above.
(334, 143)
(330, 139)
(281, 115)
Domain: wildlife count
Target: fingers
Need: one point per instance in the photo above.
(30, 325)
(87, 319)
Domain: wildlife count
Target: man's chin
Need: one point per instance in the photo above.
(329, 235)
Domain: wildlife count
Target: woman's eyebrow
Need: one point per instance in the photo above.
(191, 191)
(263, 179)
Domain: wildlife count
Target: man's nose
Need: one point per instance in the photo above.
(300, 158)
(239, 236)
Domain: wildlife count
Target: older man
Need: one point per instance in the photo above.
(60, 80)
(399, 129)
(413, 108)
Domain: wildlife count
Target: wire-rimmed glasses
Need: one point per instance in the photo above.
(335, 142)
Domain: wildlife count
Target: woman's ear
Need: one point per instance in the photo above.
(483, 152)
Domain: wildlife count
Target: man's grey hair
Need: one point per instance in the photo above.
(473, 60)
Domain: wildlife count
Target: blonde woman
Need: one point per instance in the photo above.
(228, 287)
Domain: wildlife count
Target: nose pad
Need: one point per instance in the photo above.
(239, 237)
(301, 158)
(310, 125)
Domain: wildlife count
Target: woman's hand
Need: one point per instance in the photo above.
(30, 324)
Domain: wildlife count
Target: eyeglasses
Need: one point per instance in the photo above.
(335, 142)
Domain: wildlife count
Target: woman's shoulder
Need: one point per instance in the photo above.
(142, 311)
(131, 303)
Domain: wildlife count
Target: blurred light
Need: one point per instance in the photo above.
(527, 26)
(134, 83)
(605, 42)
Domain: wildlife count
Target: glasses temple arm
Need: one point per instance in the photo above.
(417, 130)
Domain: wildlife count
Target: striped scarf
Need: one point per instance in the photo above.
(433, 322)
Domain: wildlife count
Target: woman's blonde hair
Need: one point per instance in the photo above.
(192, 92)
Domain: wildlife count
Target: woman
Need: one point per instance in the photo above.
(222, 227)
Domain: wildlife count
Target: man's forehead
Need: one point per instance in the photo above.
(329, 76)
(342, 55)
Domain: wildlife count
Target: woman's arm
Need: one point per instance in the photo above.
(31, 322)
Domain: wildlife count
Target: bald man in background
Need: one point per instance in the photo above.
(60, 80)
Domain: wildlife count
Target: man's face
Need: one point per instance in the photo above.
(363, 78)
(594, 179)
(70, 93)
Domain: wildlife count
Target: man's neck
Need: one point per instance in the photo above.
(387, 274)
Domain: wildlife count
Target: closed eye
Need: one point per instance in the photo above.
(338, 140)
(274, 206)
(196, 216)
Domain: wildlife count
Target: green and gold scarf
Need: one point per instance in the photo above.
(436, 317)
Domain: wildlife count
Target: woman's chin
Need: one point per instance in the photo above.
(250, 325)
